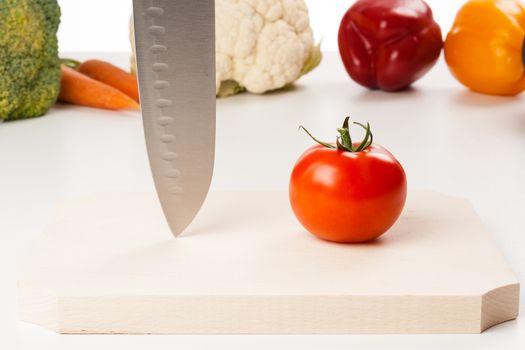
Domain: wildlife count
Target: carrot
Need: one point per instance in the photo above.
(80, 89)
(111, 75)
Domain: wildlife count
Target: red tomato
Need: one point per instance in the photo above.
(347, 197)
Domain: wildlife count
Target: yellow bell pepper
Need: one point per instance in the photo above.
(485, 47)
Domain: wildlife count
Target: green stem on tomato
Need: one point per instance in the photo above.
(344, 140)
(325, 144)
(368, 139)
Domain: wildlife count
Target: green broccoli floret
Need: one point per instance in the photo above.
(29, 63)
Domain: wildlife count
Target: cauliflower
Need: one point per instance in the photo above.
(261, 45)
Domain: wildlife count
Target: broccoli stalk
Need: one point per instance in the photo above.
(29, 62)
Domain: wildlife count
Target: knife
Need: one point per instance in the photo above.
(175, 44)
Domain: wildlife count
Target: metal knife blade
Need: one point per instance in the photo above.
(175, 44)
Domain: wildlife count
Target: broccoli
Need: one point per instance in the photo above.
(29, 62)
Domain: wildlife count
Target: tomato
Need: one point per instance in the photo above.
(346, 194)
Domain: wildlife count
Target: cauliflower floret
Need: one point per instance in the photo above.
(261, 45)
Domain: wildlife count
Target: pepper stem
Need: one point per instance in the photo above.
(344, 140)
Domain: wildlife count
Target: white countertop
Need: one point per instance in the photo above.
(447, 138)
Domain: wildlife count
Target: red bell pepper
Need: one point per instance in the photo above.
(389, 44)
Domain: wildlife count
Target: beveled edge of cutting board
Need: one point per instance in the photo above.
(499, 305)
(263, 315)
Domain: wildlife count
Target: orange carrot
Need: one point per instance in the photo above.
(80, 89)
(111, 75)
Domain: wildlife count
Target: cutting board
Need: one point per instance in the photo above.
(108, 264)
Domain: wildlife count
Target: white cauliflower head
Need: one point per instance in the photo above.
(262, 45)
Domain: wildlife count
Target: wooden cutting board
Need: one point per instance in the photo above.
(108, 264)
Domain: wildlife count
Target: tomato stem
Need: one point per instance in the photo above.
(369, 137)
(325, 144)
(344, 140)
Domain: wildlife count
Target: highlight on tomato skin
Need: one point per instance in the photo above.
(348, 192)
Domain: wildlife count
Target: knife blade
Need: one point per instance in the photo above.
(175, 44)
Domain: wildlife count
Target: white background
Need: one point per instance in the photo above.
(102, 25)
